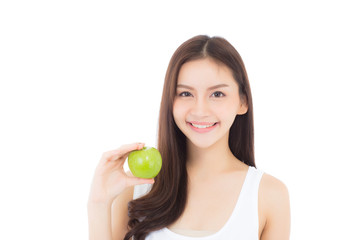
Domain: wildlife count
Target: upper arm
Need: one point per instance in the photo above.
(274, 196)
(119, 213)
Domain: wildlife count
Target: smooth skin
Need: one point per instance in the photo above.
(211, 165)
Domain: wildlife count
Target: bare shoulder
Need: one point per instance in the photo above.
(273, 187)
(275, 204)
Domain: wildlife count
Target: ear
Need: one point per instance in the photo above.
(243, 107)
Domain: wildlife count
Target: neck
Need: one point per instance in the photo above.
(209, 162)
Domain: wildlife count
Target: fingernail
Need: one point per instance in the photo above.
(139, 145)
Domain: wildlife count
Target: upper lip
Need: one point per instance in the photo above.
(202, 123)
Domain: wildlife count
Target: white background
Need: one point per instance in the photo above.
(79, 78)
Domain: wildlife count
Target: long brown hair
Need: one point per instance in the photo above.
(166, 201)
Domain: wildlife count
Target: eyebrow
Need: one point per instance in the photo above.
(210, 88)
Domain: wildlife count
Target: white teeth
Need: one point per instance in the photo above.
(202, 126)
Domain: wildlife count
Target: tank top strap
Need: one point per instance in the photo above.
(245, 217)
(249, 193)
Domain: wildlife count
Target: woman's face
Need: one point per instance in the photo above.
(206, 102)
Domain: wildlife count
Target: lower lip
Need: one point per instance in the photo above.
(203, 130)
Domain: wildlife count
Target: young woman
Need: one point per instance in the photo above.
(209, 187)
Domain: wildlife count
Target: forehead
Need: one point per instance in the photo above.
(205, 71)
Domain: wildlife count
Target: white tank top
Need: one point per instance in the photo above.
(242, 224)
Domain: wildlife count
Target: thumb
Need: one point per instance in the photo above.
(138, 181)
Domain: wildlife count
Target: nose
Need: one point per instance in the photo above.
(200, 108)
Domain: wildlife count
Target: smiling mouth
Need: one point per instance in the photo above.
(202, 125)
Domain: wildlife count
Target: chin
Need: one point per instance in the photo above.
(201, 144)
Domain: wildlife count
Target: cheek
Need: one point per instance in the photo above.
(224, 107)
(178, 111)
(227, 112)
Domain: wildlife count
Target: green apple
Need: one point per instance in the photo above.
(145, 163)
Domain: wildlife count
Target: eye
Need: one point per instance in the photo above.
(218, 94)
(185, 94)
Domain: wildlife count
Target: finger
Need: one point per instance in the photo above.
(138, 181)
(136, 144)
(130, 147)
(123, 151)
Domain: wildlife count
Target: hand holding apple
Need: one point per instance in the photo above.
(145, 163)
(110, 178)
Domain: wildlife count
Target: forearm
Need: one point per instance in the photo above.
(99, 218)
